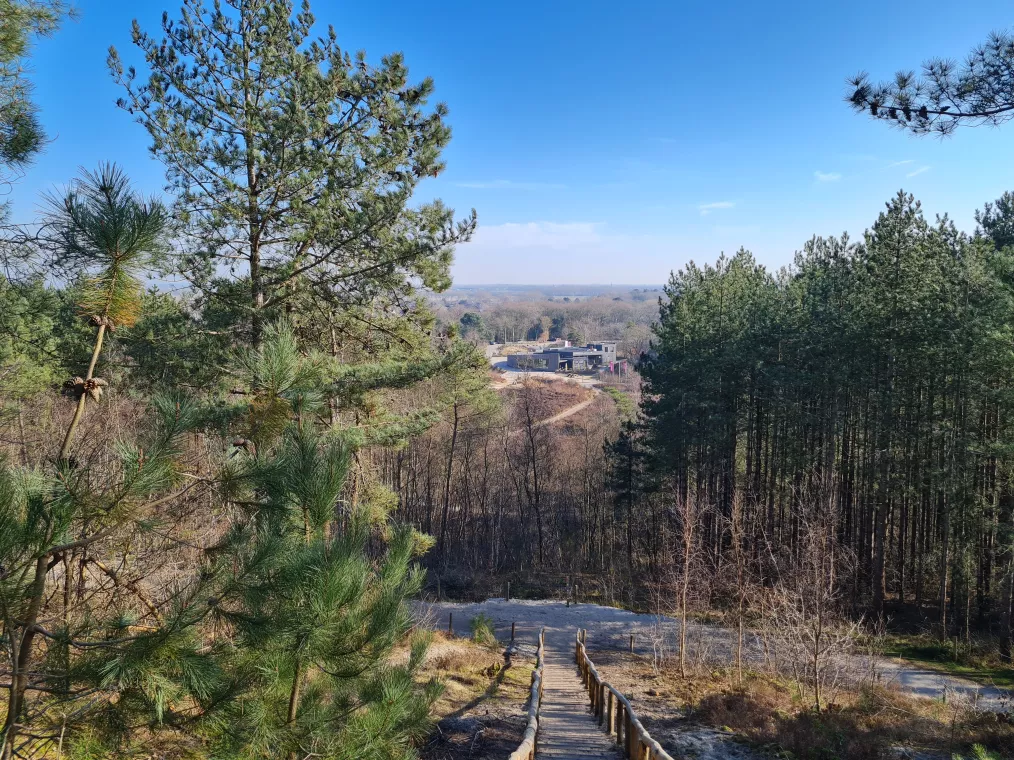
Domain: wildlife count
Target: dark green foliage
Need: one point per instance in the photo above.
(472, 325)
(996, 220)
(310, 585)
(45, 515)
(29, 344)
(879, 370)
(217, 574)
(174, 345)
(316, 615)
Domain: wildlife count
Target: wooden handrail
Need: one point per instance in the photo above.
(613, 711)
(526, 750)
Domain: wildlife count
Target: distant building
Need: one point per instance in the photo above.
(594, 356)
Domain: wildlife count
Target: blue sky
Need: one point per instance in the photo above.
(605, 142)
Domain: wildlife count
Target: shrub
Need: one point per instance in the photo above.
(481, 627)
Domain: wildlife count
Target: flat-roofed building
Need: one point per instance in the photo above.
(594, 356)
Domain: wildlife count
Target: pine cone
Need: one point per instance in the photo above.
(94, 388)
(73, 387)
(100, 321)
(77, 387)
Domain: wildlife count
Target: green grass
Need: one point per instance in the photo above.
(623, 402)
(940, 656)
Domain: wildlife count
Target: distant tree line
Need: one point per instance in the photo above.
(624, 320)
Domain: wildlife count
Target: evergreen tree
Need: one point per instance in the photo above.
(316, 616)
(996, 220)
(293, 162)
(277, 641)
(877, 370)
(109, 236)
(50, 520)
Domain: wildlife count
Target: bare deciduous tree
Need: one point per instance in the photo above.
(815, 638)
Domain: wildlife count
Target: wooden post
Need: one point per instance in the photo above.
(631, 737)
(512, 630)
(609, 712)
(450, 624)
(619, 722)
(631, 643)
(508, 591)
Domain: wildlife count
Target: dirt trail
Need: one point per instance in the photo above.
(609, 627)
(566, 412)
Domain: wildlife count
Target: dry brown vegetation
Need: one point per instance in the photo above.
(525, 497)
(480, 714)
(550, 396)
(765, 711)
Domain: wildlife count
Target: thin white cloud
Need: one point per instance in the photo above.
(826, 176)
(918, 171)
(901, 163)
(506, 184)
(707, 208)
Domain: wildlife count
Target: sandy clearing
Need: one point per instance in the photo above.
(609, 627)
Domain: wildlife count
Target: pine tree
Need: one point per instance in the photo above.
(108, 236)
(293, 162)
(278, 642)
(947, 95)
(877, 370)
(315, 615)
(45, 520)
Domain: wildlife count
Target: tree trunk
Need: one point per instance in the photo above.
(79, 410)
(441, 547)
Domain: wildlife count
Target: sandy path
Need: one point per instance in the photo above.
(566, 412)
(609, 627)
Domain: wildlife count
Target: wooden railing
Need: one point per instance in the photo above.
(613, 711)
(526, 750)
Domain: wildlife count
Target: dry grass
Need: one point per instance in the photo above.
(866, 724)
(552, 394)
(481, 714)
